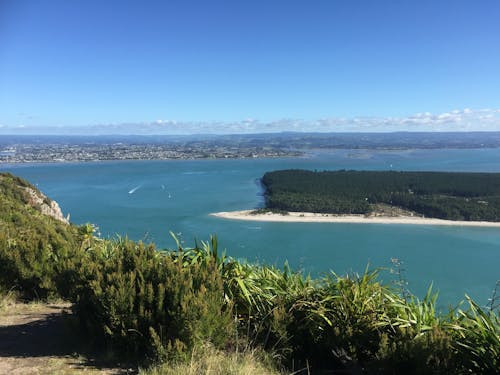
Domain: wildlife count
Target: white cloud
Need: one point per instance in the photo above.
(455, 120)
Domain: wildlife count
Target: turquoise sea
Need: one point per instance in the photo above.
(147, 199)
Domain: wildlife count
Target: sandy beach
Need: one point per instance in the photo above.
(310, 217)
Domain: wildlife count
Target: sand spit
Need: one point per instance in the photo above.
(310, 217)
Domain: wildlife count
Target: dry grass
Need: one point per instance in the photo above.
(13, 311)
(209, 361)
(6, 300)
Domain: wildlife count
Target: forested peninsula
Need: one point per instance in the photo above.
(454, 196)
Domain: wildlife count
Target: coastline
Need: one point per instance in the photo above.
(310, 217)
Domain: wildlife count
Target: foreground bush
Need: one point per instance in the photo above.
(142, 300)
(353, 323)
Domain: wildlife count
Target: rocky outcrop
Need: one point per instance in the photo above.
(45, 205)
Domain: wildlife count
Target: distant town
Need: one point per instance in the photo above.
(29, 153)
(48, 149)
(72, 149)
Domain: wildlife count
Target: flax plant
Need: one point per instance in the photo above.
(478, 341)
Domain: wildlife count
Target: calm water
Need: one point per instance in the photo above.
(147, 199)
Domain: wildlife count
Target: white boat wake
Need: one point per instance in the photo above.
(134, 189)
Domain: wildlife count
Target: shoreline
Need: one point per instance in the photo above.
(310, 217)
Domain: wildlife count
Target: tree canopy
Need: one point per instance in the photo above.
(444, 195)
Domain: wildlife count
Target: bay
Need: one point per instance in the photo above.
(147, 199)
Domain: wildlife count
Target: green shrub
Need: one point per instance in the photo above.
(478, 340)
(144, 300)
(408, 352)
(419, 339)
(354, 324)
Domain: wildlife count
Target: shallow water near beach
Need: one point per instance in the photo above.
(147, 199)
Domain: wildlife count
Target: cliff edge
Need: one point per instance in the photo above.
(18, 188)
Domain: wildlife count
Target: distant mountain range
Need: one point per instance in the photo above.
(283, 140)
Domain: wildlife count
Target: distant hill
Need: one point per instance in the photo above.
(299, 140)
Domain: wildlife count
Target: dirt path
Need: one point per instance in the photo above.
(37, 339)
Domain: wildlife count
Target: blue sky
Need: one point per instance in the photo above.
(390, 65)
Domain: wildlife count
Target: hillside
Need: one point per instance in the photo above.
(19, 191)
(33, 232)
